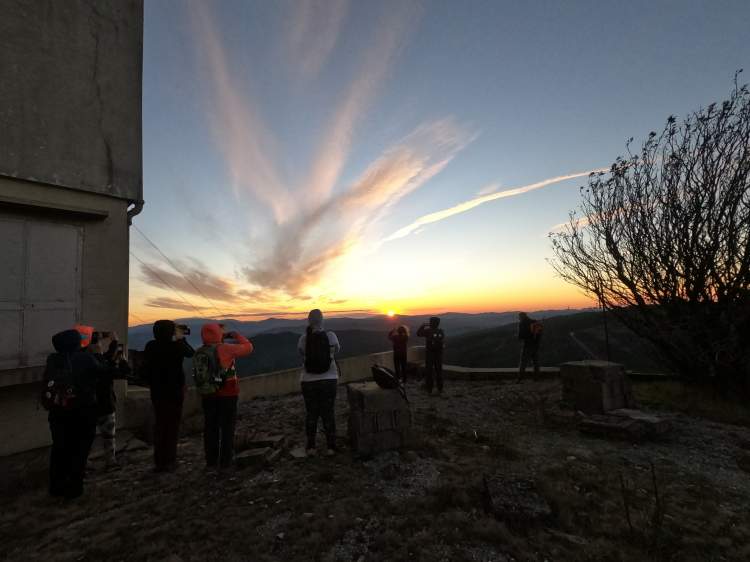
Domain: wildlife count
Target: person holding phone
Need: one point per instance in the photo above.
(114, 365)
(163, 358)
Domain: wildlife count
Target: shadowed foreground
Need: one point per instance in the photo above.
(423, 504)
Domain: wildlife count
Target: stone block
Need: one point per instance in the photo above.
(615, 427)
(252, 457)
(655, 425)
(595, 387)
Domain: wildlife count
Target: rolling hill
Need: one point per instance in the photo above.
(570, 337)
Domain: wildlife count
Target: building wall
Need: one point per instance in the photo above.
(35, 289)
(70, 94)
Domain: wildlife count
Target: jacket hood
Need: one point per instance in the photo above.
(211, 333)
(86, 332)
(67, 341)
(434, 322)
(164, 330)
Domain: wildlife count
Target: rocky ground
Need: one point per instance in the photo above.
(684, 497)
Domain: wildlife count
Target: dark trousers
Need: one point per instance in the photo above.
(72, 436)
(320, 402)
(167, 416)
(530, 352)
(434, 369)
(220, 417)
(399, 365)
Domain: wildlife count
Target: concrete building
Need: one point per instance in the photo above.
(70, 180)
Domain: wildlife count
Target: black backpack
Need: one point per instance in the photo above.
(384, 377)
(60, 391)
(317, 353)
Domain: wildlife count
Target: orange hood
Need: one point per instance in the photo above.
(86, 333)
(211, 334)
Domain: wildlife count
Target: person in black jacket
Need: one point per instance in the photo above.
(529, 332)
(434, 343)
(105, 347)
(400, 339)
(73, 425)
(163, 358)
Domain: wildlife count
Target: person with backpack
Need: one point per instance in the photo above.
(434, 343)
(162, 369)
(400, 339)
(216, 380)
(530, 333)
(107, 351)
(69, 395)
(319, 381)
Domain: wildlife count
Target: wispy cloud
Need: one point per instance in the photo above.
(194, 279)
(247, 145)
(312, 32)
(475, 202)
(390, 33)
(304, 248)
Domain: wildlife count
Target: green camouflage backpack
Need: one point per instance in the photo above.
(207, 372)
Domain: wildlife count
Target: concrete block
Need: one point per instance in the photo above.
(595, 387)
(252, 457)
(614, 427)
(655, 425)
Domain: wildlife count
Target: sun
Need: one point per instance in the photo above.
(391, 313)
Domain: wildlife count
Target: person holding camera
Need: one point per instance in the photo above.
(400, 339)
(530, 333)
(220, 406)
(163, 357)
(434, 343)
(111, 356)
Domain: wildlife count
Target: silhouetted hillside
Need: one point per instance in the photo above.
(454, 323)
(566, 338)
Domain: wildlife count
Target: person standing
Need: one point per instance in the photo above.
(69, 395)
(400, 339)
(162, 368)
(220, 406)
(319, 380)
(530, 333)
(106, 349)
(434, 344)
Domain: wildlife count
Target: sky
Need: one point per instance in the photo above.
(406, 156)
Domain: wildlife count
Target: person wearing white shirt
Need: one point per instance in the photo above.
(319, 380)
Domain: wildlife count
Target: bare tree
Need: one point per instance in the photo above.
(663, 240)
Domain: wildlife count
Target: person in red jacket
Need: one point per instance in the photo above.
(220, 408)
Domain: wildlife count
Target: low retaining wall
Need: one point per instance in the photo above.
(137, 407)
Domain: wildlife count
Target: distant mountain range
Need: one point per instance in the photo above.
(275, 339)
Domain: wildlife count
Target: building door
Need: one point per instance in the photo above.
(40, 288)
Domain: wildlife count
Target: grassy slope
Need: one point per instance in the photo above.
(499, 347)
